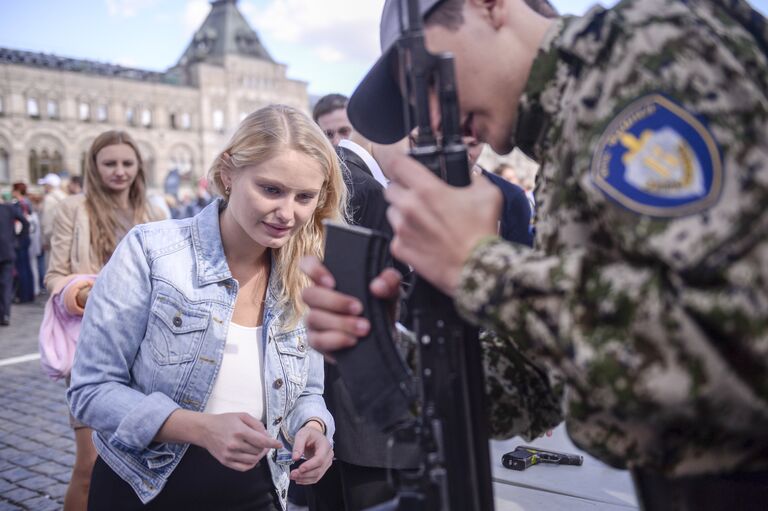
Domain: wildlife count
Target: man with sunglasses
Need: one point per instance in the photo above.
(648, 285)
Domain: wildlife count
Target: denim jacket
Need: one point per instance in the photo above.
(152, 341)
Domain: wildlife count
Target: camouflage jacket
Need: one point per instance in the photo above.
(648, 286)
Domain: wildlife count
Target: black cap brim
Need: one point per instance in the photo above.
(376, 107)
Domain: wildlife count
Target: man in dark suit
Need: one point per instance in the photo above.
(358, 478)
(515, 221)
(9, 214)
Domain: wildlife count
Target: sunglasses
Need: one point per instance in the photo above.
(344, 132)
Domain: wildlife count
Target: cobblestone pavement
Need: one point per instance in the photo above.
(36, 443)
(37, 446)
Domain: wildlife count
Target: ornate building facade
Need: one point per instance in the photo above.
(51, 107)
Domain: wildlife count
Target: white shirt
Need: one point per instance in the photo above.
(373, 166)
(239, 386)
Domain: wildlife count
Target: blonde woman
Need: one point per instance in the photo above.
(86, 231)
(193, 364)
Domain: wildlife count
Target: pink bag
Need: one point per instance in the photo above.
(59, 332)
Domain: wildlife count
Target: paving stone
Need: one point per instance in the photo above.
(50, 468)
(10, 426)
(59, 429)
(16, 474)
(9, 453)
(25, 459)
(68, 460)
(42, 504)
(40, 436)
(56, 491)
(28, 445)
(7, 506)
(61, 442)
(19, 495)
(49, 453)
(37, 483)
(63, 477)
(8, 413)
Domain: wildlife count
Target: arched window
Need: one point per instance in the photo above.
(84, 111)
(182, 160)
(43, 163)
(53, 109)
(5, 168)
(146, 118)
(33, 108)
(33, 165)
(102, 114)
(57, 162)
(43, 166)
(218, 120)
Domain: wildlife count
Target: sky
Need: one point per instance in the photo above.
(328, 43)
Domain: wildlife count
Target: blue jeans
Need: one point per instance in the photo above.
(25, 290)
(41, 267)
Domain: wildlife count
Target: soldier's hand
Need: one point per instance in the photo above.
(436, 225)
(334, 320)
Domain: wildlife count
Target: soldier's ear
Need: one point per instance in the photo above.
(494, 11)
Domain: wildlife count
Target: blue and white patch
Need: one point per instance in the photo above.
(657, 159)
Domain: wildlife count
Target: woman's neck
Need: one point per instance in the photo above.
(122, 199)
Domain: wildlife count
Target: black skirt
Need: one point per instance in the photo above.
(198, 482)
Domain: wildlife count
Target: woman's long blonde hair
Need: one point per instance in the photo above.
(260, 137)
(100, 202)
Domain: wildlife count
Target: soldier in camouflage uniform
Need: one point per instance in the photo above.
(647, 291)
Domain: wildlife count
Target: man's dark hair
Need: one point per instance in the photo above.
(20, 187)
(77, 180)
(450, 13)
(328, 104)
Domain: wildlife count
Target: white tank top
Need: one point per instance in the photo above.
(239, 386)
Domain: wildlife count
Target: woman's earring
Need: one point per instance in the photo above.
(227, 190)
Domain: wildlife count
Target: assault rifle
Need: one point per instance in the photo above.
(453, 430)
(451, 423)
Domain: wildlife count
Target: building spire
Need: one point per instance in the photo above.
(224, 32)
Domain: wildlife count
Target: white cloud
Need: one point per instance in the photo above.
(194, 14)
(328, 54)
(336, 29)
(127, 8)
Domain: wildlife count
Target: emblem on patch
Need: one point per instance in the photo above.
(657, 159)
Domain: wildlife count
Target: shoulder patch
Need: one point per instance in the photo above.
(655, 158)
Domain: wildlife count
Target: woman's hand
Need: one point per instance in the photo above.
(311, 443)
(82, 295)
(236, 440)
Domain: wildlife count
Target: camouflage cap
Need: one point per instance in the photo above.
(376, 107)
